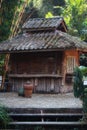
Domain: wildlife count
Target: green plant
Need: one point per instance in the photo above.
(4, 117)
(83, 69)
(84, 118)
(85, 101)
(78, 83)
(79, 89)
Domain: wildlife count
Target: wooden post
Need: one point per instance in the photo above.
(52, 84)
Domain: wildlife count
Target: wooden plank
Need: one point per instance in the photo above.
(41, 63)
(35, 75)
(48, 84)
(41, 84)
(58, 83)
(35, 84)
(38, 88)
(52, 85)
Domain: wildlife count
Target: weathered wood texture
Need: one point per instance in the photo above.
(68, 75)
(44, 70)
(42, 85)
(45, 24)
(42, 41)
(48, 71)
(36, 63)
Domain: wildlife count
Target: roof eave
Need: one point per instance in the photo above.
(40, 50)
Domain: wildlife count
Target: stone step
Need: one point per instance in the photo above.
(60, 125)
(46, 116)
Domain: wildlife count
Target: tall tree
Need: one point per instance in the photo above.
(6, 15)
(45, 6)
(75, 14)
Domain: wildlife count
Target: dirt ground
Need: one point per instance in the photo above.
(12, 100)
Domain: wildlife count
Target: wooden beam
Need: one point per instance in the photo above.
(64, 26)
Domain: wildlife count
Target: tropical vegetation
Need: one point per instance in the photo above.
(78, 83)
(80, 87)
(4, 117)
(75, 14)
(73, 11)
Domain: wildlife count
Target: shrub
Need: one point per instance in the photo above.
(4, 117)
(85, 101)
(78, 83)
(79, 89)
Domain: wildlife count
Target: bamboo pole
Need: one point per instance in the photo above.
(14, 29)
(0, 3)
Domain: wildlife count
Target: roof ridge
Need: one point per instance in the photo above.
(47, 18)
(39, 23)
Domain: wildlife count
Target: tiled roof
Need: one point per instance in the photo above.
(41, 23)
(42, 41)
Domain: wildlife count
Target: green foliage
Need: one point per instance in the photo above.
(9, 7)
(2, 64)
(38, 3)
(6, 14)
(79, 89)
(4, 118)
(85, 101)
(83, 69)
(83, 59)
(45, 6)
(78, 83)
(85, 105)
(49, 15)
(74, 14)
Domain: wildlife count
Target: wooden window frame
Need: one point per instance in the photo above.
(71, 63)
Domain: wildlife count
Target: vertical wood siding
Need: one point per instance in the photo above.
(44, 85)
(37, 63)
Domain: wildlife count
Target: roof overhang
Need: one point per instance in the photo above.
(43, 50)
(49, 41)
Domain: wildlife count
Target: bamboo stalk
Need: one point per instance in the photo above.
(14, 29)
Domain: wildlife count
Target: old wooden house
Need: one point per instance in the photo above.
(44, 54)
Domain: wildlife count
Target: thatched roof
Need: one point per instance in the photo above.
(44, 24)
(42, 41)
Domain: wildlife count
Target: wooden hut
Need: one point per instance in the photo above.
(43, 54)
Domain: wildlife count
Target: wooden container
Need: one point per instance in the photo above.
(28, 89)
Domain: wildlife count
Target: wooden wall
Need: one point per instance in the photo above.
(51, 67)
(67, 76)
(36, 63)
(40, 85)
(43, 69)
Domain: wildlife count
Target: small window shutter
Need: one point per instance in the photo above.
(70, 64)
